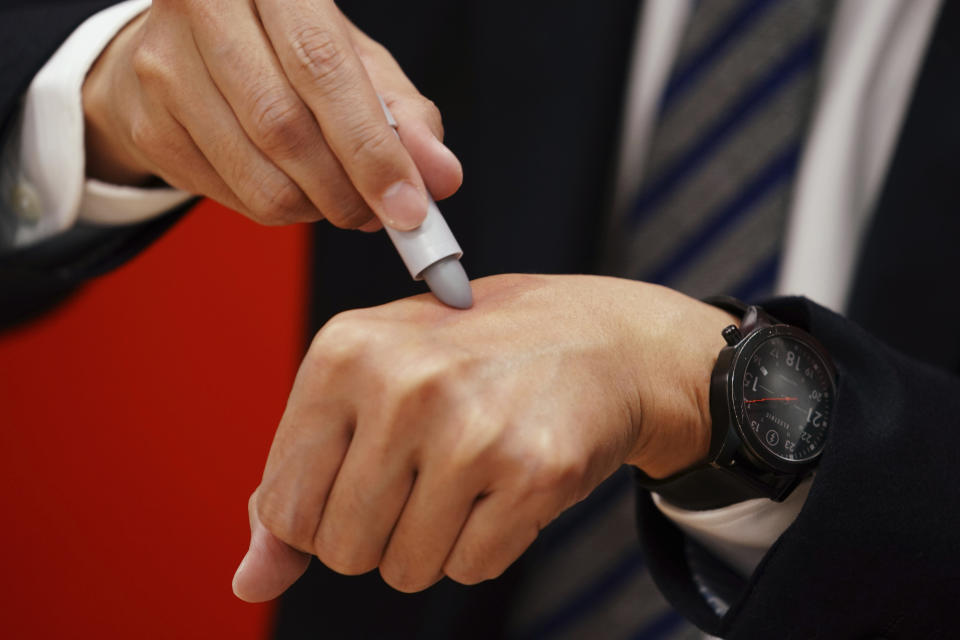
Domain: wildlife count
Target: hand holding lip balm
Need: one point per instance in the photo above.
(431, 253)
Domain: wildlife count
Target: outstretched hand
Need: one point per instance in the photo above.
(425, 441)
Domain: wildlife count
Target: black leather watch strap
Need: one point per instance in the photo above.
(702, 488)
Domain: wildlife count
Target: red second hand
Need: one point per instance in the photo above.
(783, 399)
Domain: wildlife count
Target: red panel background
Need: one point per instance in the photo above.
(134, 422)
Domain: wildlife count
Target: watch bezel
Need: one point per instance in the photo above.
(742, 352)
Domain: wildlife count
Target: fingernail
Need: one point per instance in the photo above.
(404, 206)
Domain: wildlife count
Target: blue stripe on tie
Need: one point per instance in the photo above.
(600, 500)
(760, 283)
(778, 170)
(594, 595)
(661, 627)
(799, 58)
(684, 77)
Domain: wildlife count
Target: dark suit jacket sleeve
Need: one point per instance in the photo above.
(31, 31)
(875, 550)
(33, 279)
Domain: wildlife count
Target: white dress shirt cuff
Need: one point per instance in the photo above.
(51, 188)
(111, 204)
(742, 533)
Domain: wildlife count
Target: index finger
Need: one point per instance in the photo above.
(315, 51)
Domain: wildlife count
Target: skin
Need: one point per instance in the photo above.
(269, 107)
(425, 441)
(418, 439)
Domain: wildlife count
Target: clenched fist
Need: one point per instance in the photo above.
(425, 441)
(269, 107)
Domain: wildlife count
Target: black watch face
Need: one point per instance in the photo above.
(788, 396)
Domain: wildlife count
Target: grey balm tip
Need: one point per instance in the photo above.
(449, 282)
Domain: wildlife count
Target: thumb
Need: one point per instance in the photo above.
(270, 566)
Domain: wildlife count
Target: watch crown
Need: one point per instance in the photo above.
(731, 334)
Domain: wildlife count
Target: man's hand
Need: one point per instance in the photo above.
(269, 107)
(429, 442)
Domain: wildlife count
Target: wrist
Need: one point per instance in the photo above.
(108, 157)
(675, 423)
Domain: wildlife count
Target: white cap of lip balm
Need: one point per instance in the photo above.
(431, 253)
(431, 242)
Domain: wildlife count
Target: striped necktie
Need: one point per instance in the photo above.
(711, 209)
(707, 219)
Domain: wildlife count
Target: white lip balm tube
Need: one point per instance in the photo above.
(431, 253)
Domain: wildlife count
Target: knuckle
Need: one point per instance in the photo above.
(370, 141)
(147, 64)
(283, 522)
(433, 387)
(341, 555)
(352, 214)
(275, 200)
(429, 384)
(468, 566)
(371, 52)
(347, 567)
(339, 341)
(429, 381)
(431, 115)
(401, 579)
(318, 52)
(281, 123)
(342, 329)
(475, 440)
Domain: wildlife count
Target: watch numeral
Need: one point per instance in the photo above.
(814, 417)
(793, 360)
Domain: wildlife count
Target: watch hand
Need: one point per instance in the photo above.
(781, 399)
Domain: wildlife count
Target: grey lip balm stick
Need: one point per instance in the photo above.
(431, 253)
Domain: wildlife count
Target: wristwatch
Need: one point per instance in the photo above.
(772, 395)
